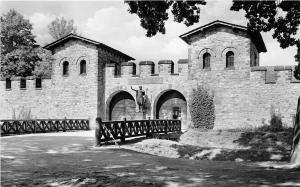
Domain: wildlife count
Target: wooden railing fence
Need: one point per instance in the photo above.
(113, 130)
(42, 125)
(296, 136)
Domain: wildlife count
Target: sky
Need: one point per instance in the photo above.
(109, 22)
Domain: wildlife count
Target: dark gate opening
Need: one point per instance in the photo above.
(171, 105)
(122, 105)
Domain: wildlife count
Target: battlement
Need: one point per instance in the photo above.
(147, 68)
(273, 74)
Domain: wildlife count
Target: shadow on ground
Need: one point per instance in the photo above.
(75, 161)
(236, 146)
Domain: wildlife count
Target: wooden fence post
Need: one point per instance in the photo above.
(64, 124)
(17, 127)
(97, 131)
(166, 126)
(148, 128)
(34, 125)
(88, 124)
(123, 127)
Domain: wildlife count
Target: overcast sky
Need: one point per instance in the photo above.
(110, 23)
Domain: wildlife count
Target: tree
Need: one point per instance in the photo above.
(61, 27)
(153, 14)
(15, 32)
(282, 17)
(20, 54)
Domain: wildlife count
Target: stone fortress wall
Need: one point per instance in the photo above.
(71, 96)
(240, 100)
(243, 94)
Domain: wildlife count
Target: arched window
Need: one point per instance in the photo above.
(82, 67)
(229, 59)
(65, 68)
(206, 60)
(133, 69)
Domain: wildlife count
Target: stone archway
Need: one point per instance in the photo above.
(170, 104)
(121, 105)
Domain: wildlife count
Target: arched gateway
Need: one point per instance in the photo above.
(170, 104)
(121, 105)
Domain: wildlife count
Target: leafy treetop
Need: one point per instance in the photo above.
(61, 27)
(282, 17)
(20, 55)
(153, 14)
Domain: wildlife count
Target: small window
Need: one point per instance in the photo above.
(117, 69)
(66, 68)
(229, 59)
(134, 69)
(22, 83)
(82, 67)
(8, 83)
(38, 83)
(206, 60)
(152, 69)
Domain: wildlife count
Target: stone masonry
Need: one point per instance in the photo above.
(244, 94)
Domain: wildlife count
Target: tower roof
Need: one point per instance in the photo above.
(255, 36)
(52, 45)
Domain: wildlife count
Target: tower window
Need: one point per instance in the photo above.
(66, 68)
(206, 60)
(82, 67)
(229, 59)
(38, 83)
(7, 83)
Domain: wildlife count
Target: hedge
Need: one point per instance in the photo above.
(202, 108)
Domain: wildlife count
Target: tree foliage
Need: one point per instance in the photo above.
(61, 27)
(282, 17)
(20, 55)
(153, 14)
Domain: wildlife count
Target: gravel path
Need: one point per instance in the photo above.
(70, 159)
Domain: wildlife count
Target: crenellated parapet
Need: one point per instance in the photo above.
(166, 67)
(273, 74)
(162, 68)
(147, 68)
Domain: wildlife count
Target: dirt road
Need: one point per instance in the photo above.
(72, 160)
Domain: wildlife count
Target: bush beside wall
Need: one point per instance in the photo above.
(202, 108)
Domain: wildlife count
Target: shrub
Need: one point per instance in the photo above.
(24, 114)
(276, 121)
(202, 108)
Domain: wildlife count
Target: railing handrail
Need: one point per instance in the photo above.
(2, 120)
(119, 121)
(42, 125)
(111, 130)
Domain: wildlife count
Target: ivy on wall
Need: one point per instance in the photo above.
(202, 108)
